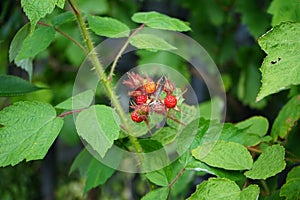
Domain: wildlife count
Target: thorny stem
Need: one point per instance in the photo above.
(66, 35)
(121, 51)
(103, 78)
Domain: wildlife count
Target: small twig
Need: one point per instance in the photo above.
(175, 120)
(66, 35)
(71, 112)
(121, 51)
(180, 173)
(254, 150)
(265, 186)
(293, 160)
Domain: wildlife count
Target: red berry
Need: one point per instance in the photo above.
(170, 101)
(142, 99)
(150, 87)
(136, 117)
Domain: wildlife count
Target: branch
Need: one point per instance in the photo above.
(180, 173)
(103, 78)
(66, 35)
(70, 112)
(122, 50)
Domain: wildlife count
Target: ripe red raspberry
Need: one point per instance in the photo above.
(150, 87)
(170, 101)
(136, 117)
(142, 99)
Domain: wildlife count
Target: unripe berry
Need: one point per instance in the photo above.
(170, 101)
(150, 87)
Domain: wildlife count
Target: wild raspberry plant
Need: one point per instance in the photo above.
(241, 160)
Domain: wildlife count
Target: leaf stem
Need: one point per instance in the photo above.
(265, 186)
(66, 35)
(122, 50)
(70, 112)
(254, 150)
(103, 78)
(180, 173)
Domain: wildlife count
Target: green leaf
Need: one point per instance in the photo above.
(16, 46)
(150, 42)
(284, 11)
(81, 162)
(220, 188)
(98, 127)
(166, 175)
(161, 194)
(250, 192)
(97, 7)
(63, 18)
(256, 125)
(60, 3)
(253, 130)
(95, 172)
(165, 135)
(226, 155)
(35, 10)
(282, 59)
(196, 165)
(79, 101)
(291, 189)
(29, 129)
(160, 21)
(36, 42)
(13, 86)
(230, 133)
(108, 27)
(287, 118)
(160, 177)
(268, 164)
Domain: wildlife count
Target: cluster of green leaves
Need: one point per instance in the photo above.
(245, 157)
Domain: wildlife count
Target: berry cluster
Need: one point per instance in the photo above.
(150, 96)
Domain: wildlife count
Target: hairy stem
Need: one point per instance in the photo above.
(121, 51)
(71, 112)
(180, 173)
(65, 35)
(102, 76)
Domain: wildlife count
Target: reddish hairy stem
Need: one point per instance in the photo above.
(71, 112)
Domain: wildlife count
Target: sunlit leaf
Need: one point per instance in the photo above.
(268, 164)
(108, 27)
(220, 188)
(98, 127)
(226, 155)
(150, 42)
(29, 129)
(282, 46)
(160, 21)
